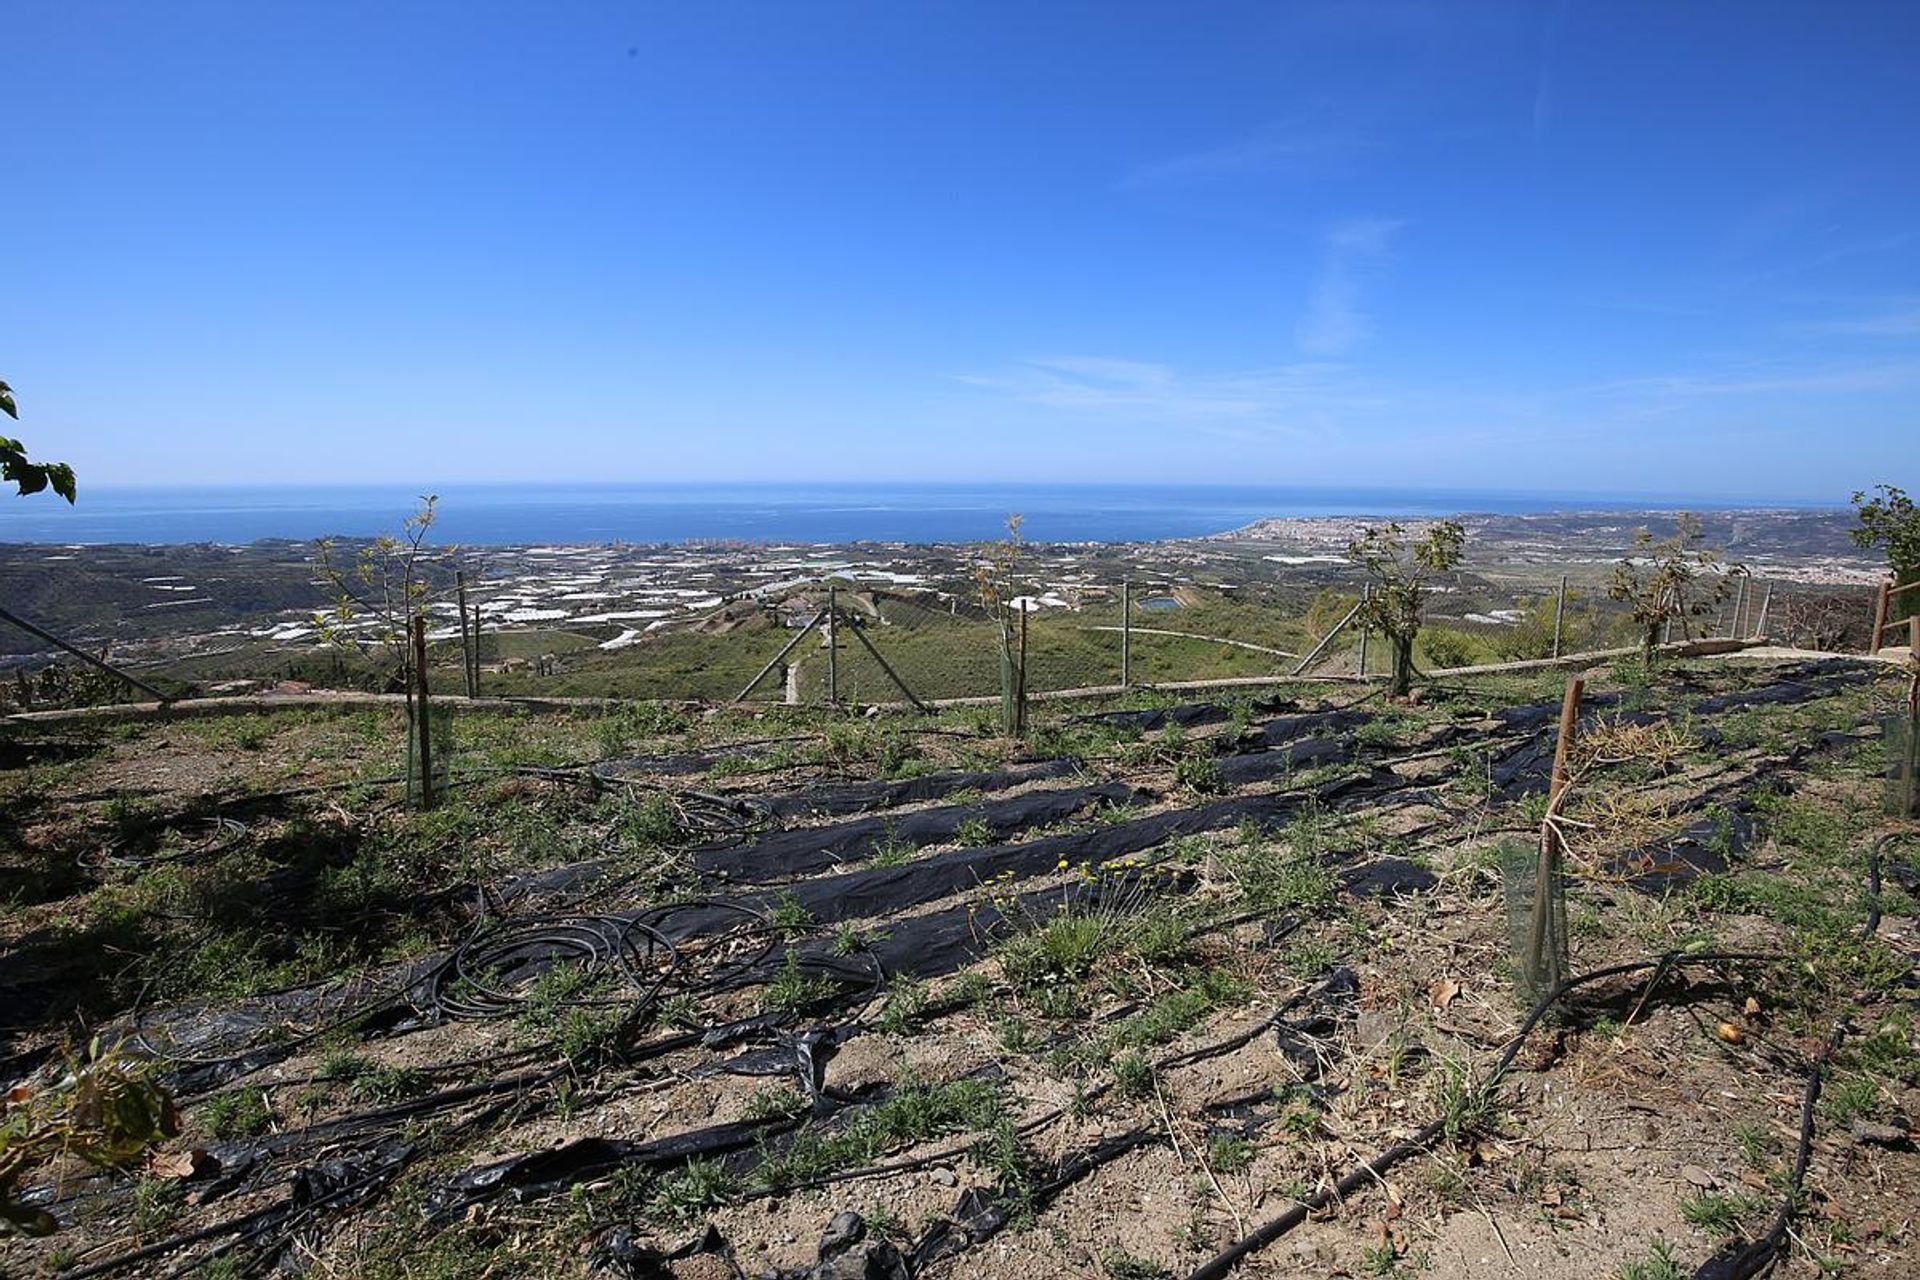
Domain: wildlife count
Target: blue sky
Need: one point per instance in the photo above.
(1620, 247)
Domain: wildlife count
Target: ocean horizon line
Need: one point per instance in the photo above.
(849, 512)
(1427, 495)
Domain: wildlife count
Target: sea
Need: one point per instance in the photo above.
(522, 515)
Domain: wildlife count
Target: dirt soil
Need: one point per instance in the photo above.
(1099, 1021)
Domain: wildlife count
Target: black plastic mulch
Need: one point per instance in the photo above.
(803, 851)
(863, 797)
(881, 891)
(1188, 715)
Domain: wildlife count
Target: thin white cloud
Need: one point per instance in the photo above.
(1336, 320)
(1250, 404)
(1763, 380)
(1899, 320)
(1287, 148)
(1316, 409)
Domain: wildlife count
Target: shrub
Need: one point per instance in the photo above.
(1445, 647)
(243, 1113)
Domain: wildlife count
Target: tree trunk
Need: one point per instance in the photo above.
(1401, 681)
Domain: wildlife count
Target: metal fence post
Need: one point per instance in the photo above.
(860, 634)
(1560, 615)
(1321, 648)
(781, 656)
(833, 646)
(466, 645)
(1126, 633)
(420, 696)
(1766, 602)
(1020, 688)
(1005, 654)
(81, 654)
(1907, 801)
(1366, 631)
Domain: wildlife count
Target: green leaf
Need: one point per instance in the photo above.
(6, 402)
(32, 477)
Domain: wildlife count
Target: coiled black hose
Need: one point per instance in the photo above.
(478, 979)
(220, 833)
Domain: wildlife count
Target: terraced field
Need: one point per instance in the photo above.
(1170, 989)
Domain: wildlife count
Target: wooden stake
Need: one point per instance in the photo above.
(1548, 869)
(1569, 724)
(1126, 633)
(420, 706)
(1880, 599)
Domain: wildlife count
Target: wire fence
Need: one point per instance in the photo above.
(834, 640)
(865, 652)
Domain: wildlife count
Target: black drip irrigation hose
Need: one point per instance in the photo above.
(1224, 1262)
(714, 822)
(1041, 1121)
(981, 1214)
(742, 950)
(472, 983)
(221, 833)
(462, 984)
(708, 821)
(467, 983)
(713, 958)
(737, 966)
(1875, 863)
(139, 1032)
(1743, 1262)
(764, 940)
(640, 948)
